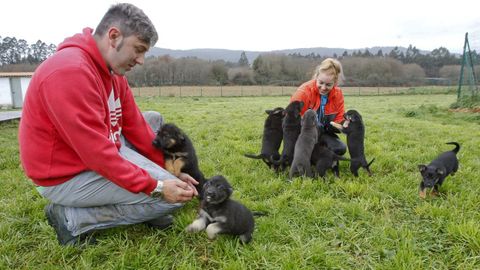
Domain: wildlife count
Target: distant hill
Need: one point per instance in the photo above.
(234, 55)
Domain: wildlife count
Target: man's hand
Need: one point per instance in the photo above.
(189, 180)
(175, 191)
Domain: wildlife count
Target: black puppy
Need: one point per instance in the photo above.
(219, 214)
(324, 159)
(291, 126)
(179, 153)
(435, 173)
(304, 146)
(355, 129)
(272, 138)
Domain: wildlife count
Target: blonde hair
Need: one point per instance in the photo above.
(330, 66)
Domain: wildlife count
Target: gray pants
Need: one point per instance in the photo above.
(93, 202)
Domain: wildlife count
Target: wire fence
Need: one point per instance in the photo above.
(264, 90)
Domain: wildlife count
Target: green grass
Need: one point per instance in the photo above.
(374, 222)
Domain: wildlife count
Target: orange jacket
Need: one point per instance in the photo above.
(308, 93)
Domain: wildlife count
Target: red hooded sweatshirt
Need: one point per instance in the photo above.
(308, 93)
(74, 112)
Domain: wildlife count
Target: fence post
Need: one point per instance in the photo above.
(378, 91)
(180, 91)
(359, 91)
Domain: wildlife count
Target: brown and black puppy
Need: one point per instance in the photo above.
(355, 129)
(179, 153)
(324, 159)
(272, 138)
(304, 146)
(219, 214)
(291, 126)
(435, 173)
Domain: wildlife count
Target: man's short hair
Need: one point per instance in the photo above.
(131, 21)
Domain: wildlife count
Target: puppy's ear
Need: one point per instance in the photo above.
(422, 168)
(181, 136)
(230, 191)
(278, 111)
(269, 111)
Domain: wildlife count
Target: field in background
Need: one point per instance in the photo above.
(268, 90)
(375, 222)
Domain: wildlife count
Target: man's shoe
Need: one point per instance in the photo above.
(162, 223)
(56, 218)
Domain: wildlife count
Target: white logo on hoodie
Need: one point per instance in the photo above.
(115, 109)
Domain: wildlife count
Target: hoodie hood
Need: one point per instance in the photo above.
(86, 42)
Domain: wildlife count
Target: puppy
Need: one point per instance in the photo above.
(219, 214)
(304, 146)
(355, 129)
(179, 153)
(272, 138)
(435, 173)
(324, 159)
(291, 126)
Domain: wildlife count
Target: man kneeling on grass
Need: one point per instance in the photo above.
(83, 140)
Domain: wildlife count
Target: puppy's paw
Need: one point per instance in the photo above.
(422, 194)
(212, 230)
(196, 226)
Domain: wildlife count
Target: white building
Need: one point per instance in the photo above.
(13, 86)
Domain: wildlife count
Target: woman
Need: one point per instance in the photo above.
(323, 95)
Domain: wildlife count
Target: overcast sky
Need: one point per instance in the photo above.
(257, 25)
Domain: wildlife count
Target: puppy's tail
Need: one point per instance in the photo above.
(259, 213)
(457, 146)
(259, 156)
(370, 163)
(338, 157)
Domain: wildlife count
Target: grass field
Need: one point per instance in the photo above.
(375, 222)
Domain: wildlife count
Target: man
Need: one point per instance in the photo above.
(78, 114)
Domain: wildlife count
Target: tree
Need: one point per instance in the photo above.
(243, 61)
(219, 73)
(412, 54)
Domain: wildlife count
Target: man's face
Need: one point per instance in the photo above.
(325, 83)
(128, 52)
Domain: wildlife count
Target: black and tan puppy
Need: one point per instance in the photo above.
(324, 159)
(272, 138)
(435, 173)
(304, 146)
(219, 214)
(355, 129)
(291, 126)
(179, 153)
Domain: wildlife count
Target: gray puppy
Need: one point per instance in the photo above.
(304, 146)
(219, 214)
(435, 173)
